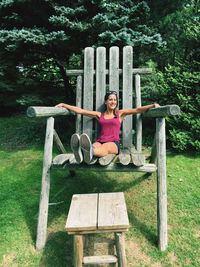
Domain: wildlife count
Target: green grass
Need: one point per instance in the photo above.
(21, 154)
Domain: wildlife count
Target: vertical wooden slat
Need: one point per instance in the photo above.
(78, 251)
(100, 81)
(127, 94)
(78, 103)
(161, 184)
(114, 69)
(45, 186)
(138, 103)
(88, 89)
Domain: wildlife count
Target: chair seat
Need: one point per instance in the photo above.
(67, 161)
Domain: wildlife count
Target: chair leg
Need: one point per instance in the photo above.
(45, 186)
(78, 250)
(120, 247)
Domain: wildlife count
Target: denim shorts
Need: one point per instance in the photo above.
(116, 143)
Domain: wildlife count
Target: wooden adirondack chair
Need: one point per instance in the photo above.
(130, 160)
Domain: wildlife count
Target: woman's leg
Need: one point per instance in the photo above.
(101, 150)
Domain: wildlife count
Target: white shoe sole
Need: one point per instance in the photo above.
(75, 146)
(86, 147)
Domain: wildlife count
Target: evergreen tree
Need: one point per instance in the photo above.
(39, 39)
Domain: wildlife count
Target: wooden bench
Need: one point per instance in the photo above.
(97, 213)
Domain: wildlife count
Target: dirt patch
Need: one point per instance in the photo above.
(136, 257)
(104, 245)
(8, 260)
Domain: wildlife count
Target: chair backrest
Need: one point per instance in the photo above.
(97, 79)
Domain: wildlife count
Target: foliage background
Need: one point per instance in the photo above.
(39, 39)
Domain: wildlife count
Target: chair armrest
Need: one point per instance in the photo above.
(46, 111)
(163, 111)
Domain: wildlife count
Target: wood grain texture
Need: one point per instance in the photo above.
(88, 89)
(82, 213)
(161, 184)
(138, 121)
(127, 95)
(104, 259)
(114, 69)
(79, 104)
(45, 186)
(112, 213)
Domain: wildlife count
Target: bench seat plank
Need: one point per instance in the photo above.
(112, 213)
(86, 217)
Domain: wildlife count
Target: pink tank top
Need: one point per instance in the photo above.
(109, 129)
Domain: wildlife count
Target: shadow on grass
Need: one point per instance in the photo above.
(59, 243)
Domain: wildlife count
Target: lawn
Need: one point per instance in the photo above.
(21, 154)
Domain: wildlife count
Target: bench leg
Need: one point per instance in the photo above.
(120, 247)
(78, 250)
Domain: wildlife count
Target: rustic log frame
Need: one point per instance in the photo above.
(159, 149)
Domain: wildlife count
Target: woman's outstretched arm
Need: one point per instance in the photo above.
(132, 111)
(77, 110)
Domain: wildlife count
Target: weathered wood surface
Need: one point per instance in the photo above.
(112, 213)
(112, 167)
(88, 89)
(45, 186)
(79, 103)
(127, 95)
(168, 110)
(138, 121)
(97, 231)
(46, 111)
(120, 247)
(103, 161)
(134, 71)
(114, 69)
(161, 184)
(138, 159)
(82, 213)
(61, 159)
(78, 251)
(124, 157)
(104, 259)
(58, 142)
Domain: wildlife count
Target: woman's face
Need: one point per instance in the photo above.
(111, 102)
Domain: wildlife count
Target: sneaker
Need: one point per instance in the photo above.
(86, 147)
(75, 146)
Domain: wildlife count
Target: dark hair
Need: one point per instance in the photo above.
(106, 98)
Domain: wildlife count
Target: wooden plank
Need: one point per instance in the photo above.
(45, 186)
(100, 82)
(124, 157)
(138, 103)
(103, 161)
(161, 184)
(168, 110)
(120, 247)
(112, 213)
(58, 142)
(88, 89)
(82, 213)
(46, 111)
(79, 104)
(112, 167)
(114, 69)
(104, 259)
(127, 94)
(134, 71)
(61, 159)
(97, 231)
(100, 77)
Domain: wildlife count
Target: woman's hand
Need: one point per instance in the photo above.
(156, 105)
(60, 105)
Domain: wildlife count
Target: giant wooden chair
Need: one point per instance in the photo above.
(130, 160)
